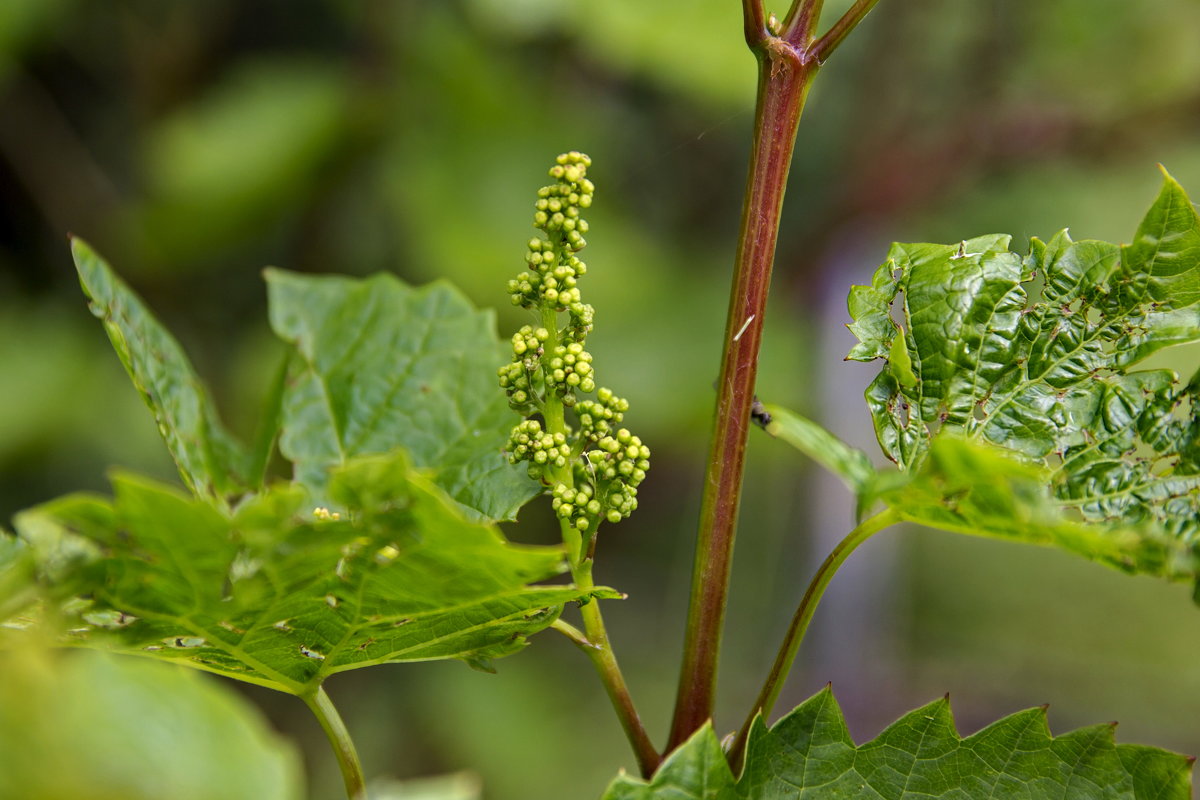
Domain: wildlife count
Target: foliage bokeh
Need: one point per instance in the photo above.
(196, 143)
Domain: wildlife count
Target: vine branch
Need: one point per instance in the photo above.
(801, 21)
(754, 20)
(823, 47)
(803, 616)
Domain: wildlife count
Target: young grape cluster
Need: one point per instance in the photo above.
(593, 470)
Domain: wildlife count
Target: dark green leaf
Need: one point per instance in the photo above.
(211, 462)
(84, 725)
(1035, 355)
(809, 754)
(280, 596)
(385, 365)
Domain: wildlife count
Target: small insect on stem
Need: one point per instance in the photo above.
(759, 414)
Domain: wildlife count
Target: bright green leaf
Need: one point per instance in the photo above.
(211, 462)
(1035, 355)
(809, 754)
(386, 365)
(277, 595)
(84, 725)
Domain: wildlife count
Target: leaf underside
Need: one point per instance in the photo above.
(1006, 374)
(386, 365)
(389, 412)
(270, 595)
(809, 754)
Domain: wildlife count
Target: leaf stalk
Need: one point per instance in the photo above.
(339, 737)
(800, 621)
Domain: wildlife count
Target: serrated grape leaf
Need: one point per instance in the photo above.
(386, 365)
(809, 754)
(1035, 355)
(86, 725)
(211, 461)
(274, 595)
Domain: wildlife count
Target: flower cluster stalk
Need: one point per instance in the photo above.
(592, 471)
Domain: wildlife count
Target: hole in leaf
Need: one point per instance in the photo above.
(185, 642)
(308, 652)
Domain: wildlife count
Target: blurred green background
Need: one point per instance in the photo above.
(194, 143)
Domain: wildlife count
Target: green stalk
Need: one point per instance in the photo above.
(784, 78)
(803, 616)
(339, 737)
(596, 646)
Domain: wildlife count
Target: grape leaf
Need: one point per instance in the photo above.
(274, 595)
(76, 725)
(809, 754)
(1034, 355)
(386, 365)
(211, 461)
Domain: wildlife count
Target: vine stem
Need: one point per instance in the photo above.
(784, 77)
(787, 65)
(339, 737)
(803, 616)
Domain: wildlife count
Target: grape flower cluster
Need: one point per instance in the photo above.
(593, 469)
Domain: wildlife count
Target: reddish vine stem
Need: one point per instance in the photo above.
(787, 65)
(800, 24)
(754, 19)
(784, 77)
